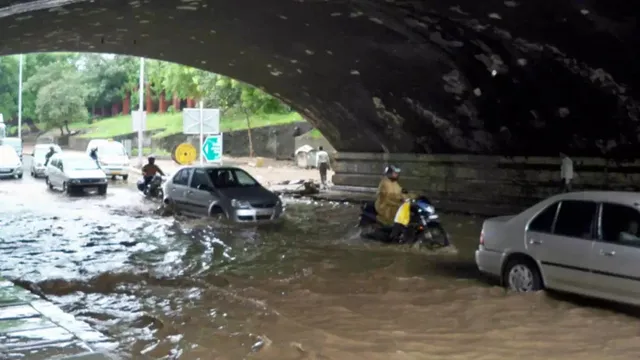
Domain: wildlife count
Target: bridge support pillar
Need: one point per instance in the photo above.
(484, 184)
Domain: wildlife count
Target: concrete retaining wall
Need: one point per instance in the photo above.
(270, 141)
(509, 183)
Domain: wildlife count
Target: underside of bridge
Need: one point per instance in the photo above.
(483, 77)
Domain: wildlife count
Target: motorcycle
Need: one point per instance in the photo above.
(154, 189)
(423, 228)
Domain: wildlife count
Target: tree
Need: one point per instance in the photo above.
(60, 103)
(61, 95)
(9, 87)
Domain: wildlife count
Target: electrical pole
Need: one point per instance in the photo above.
(141, 111)
(20, 97)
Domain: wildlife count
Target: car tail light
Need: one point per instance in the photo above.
(482, 237)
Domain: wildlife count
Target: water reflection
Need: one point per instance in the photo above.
(308, 289)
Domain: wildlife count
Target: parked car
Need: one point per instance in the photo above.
(584, 242)
(38, 158)
(14, 142)
(10, 163)
(208, 190)
(70, 172)
(112, 157)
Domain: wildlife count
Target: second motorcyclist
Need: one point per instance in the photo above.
(149, 170)
(47, 157)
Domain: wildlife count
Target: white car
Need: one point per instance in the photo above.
(70, 172)
(112, 157)
(38, 158)
(583, 242)
(10, 163)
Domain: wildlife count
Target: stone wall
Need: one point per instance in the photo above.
(484, 184)
(269, 141)
(276, 141)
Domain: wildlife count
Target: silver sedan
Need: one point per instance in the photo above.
(584, 242)
(221, 190)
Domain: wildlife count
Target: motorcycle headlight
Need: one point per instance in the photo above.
(430, 209)
(240, 204)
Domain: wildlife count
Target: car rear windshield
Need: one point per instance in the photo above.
(231, 178)
(80, 164)
(8, 155)
(111, 149)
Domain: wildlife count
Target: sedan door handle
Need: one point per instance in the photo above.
(189, 192)
(535, 242)
(607, 253)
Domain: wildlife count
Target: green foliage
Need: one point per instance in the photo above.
(62, 101)
(56, 84)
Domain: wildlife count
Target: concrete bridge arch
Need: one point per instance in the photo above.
(497, 77)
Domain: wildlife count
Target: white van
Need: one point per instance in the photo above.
(112, 157)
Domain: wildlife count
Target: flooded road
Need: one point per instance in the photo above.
(309, 289)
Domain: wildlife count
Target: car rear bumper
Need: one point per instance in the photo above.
(6, 173)
(40, 171)
(489, 262)
(115, 171)
(86, 183)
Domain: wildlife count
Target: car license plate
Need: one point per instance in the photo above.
(116, 172)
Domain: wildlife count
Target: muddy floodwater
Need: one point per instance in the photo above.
(167, 288)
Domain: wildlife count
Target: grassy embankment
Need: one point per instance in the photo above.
(172, 124)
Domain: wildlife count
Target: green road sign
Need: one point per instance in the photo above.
(212, 148)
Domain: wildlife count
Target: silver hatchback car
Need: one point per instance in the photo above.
(209, 190)
(584, 242)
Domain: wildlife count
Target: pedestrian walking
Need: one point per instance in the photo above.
(322, 161)
(566, 172)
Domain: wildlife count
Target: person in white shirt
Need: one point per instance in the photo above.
(566, 172)
(322, 159)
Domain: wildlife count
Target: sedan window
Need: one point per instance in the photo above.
(200, 180)
(182, 177)
(620, 224)
(543, 223)
(576, 219)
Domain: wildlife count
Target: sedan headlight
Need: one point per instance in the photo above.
(240, 204)
(430, 209)
(74, 181)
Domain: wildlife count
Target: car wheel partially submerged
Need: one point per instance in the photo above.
(522, 275)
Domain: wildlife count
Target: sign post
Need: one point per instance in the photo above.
(141, 111)
(201, 131)
(202, 122)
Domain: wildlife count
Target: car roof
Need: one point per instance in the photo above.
(213, 166)
(70, 156)
(621, 197)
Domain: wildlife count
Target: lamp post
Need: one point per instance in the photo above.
(20, 96)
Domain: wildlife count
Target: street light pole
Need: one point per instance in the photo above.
(20, 96)
(141, 111)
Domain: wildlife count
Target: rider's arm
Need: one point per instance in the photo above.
(159, 170)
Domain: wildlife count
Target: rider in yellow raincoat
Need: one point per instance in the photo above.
(390, 196)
